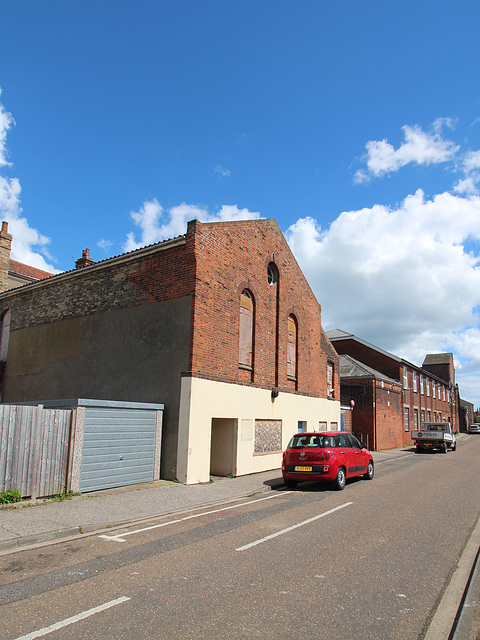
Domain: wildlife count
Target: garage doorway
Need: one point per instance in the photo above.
(223, 448)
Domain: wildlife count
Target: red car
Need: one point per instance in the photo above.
(327, 455)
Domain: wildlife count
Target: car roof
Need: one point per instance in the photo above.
(321, 433)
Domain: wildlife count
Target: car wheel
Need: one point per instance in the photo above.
(290, 484)
(340, 480)
(370, 471)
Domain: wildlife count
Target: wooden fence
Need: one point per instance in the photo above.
(35, 449)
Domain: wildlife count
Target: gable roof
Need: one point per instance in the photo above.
(338, 334)
(26, 271)
(352, 368)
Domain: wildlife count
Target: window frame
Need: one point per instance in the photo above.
(246, 331)
(292, 348)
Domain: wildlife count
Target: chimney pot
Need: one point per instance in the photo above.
(85, 260)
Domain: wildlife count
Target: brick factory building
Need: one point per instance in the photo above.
(219, 325)
(392, 396)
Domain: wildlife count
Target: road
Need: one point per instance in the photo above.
(370, 562)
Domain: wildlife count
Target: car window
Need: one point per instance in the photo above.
(302, 441)
(353, 441)
(341, 441)
(327, 442)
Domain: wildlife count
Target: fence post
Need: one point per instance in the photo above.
(71, 448)
(36, 445)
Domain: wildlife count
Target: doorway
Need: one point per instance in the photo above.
(223, 448)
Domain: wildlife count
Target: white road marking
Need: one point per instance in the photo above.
(295, 526)
(73, 619)
(121, 537)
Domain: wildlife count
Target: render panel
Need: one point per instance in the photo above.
(135, 354)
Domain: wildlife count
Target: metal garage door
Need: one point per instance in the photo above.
(118, 448)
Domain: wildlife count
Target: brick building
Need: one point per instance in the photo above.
(219, 325)
(12, 273)
(422, 394)
(467, 414)
(377, 404)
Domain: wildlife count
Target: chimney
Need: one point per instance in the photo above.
(85, 260)
(5, 247)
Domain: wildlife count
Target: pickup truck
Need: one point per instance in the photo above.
(435, 435)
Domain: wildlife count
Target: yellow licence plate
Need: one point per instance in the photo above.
(303, 468)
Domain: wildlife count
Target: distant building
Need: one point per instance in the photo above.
(15, 274)
(411, 396)
(376, 402)
(467, 414)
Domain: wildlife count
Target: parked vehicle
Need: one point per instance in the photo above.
(474, 428)
(328, 455)
(437, 436)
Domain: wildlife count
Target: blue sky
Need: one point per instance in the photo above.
(355, 124)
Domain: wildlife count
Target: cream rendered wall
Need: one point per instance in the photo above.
(202, 400)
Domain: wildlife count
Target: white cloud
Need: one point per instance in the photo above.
(419, 148)
(29, 245)
(156, 224)
(104, 245)
(222, 172)
(6, 121)
(467, 186)
(400, 278)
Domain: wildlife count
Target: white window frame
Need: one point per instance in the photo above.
(414, 378)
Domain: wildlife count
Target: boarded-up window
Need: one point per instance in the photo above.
(330, 388)
(245, 351)
(292, 348)
(268, 436)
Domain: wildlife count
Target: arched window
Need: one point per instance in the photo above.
(292, 348)
(245, 351)
(330, 387)
(272, 273)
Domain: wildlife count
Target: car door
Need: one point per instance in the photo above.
(359, 457)
(345, 453)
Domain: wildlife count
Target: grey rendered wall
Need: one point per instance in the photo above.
(135, 354)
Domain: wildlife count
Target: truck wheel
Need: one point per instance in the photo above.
(454, 448)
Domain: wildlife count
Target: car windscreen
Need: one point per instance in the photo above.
(304, 441)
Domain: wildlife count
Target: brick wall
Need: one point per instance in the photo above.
(376, 360)
(389, 416)
(156, 277)
(5, 247)
(377, 416)
(231, 257)
(361, 391)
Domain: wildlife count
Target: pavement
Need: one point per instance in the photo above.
(33, 524)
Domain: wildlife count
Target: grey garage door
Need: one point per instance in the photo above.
(118, 448)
